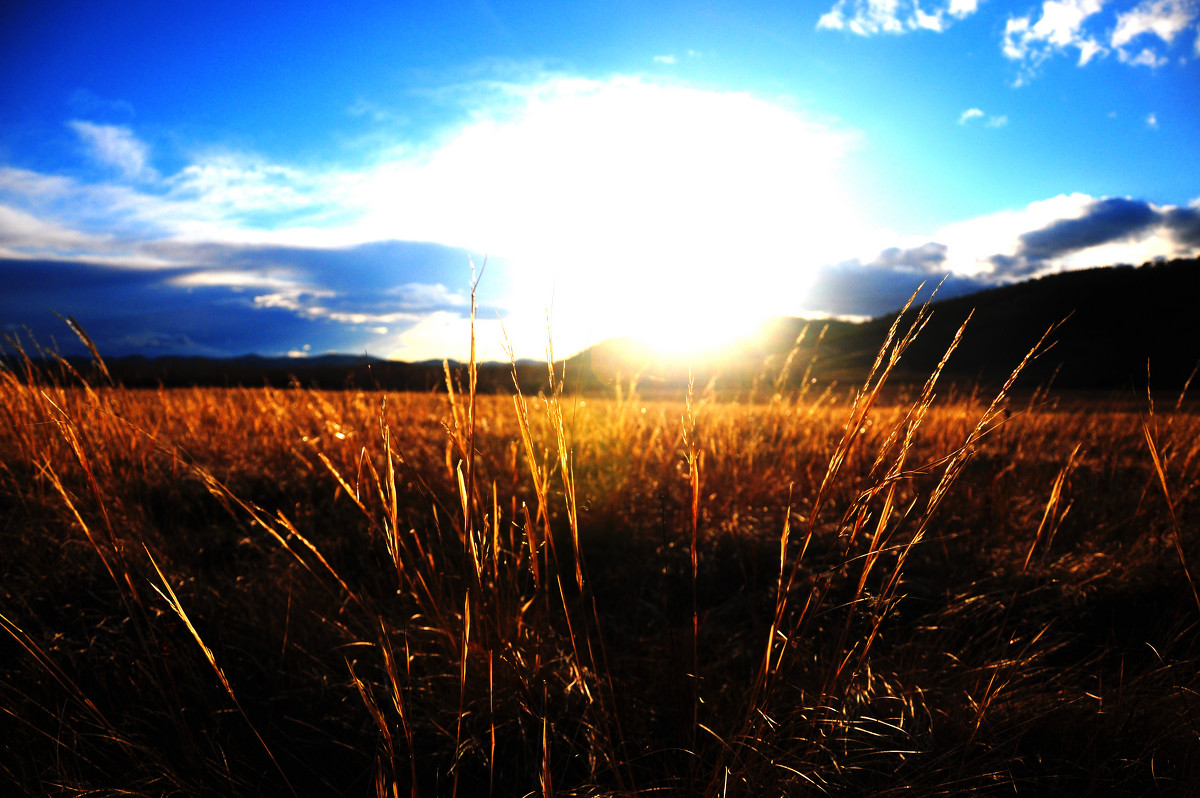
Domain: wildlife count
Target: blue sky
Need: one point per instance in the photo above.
(228, 179)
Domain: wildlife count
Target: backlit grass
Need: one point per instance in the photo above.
(926, 589)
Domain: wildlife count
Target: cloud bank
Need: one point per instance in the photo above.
(1059, 234)
(616, 207)
(1112, 225)
(1139, 36)
(410, 299)
(1145, 33)
(601, 195)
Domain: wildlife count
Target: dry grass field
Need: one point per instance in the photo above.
(927, 590)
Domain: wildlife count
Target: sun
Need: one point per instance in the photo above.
(695, 333)
(680, 217)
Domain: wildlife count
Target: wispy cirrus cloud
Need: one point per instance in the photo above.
(115, 146)
(23, 234)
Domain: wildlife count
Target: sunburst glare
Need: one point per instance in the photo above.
(633, 208)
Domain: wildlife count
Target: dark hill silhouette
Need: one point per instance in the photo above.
(1112, 321)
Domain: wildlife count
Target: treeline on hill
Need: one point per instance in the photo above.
(1111, 328)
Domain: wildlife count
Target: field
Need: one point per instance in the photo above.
(848, 590)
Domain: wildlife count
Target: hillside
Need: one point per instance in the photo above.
(1113, 321)
(1110, 321)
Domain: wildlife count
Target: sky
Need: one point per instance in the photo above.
(294, 179)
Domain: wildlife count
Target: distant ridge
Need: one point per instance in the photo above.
(1113, 320)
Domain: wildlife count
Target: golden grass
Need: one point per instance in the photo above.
(926, 590)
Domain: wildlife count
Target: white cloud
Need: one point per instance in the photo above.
(664, 59)
(356, 317)
(427, 295)
(871, 17)
(115, 147)
(1062, 20)
(972, 114)
(969, 114)
(25, 235)
(1063, 233)
(972, 246)
(298, 300)
(218, 198)
(972, 241)
(112, 208)
(44, 227)
(1162, 18)
(1060, 26)
(1079, 24)
(241, 183)
(1152, 121)
(1146, 57)
(280, 280)
(1089, 49)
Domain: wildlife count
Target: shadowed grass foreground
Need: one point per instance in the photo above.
(239, 592)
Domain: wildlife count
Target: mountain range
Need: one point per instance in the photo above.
(1106, 327)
